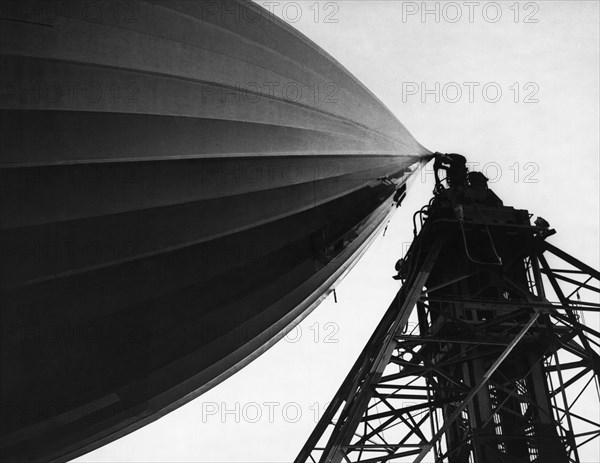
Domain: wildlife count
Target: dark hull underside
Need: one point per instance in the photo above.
(162, 220)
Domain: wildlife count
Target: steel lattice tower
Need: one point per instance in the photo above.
(482, 357)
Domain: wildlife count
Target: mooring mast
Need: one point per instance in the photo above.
(495, 363)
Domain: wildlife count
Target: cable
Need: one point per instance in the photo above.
(487, 229)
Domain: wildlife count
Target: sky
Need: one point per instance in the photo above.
(537, 140)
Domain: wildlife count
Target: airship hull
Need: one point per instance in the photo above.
(179, 186)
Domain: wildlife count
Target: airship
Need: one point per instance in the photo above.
(181, 182)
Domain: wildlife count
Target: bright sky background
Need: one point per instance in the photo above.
(554, 141)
